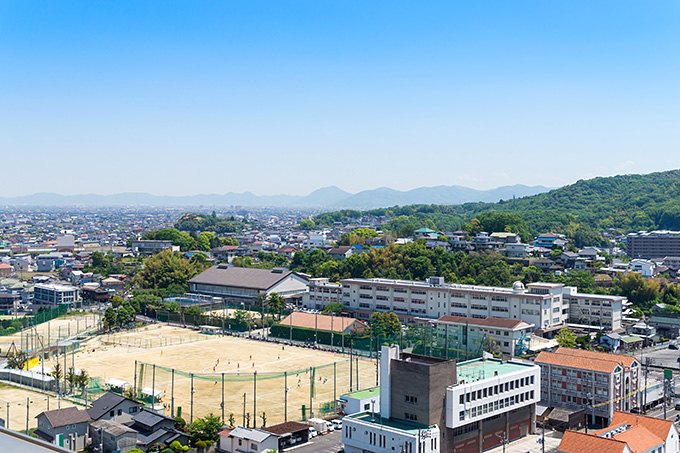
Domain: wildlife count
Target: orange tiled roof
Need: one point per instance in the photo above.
(657, 426)
(595, 355)
(639, 439)
(321, 322)
(587, 360)
(575, 442)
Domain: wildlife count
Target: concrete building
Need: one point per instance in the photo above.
(53, 294)
(240, 284)
(431, 405)
(545, 305)
(320, 292)
(145, 246)
(67, 427)
(645, 268)
(367, 400)
(653, 244)
(511, 335)
(603, 382)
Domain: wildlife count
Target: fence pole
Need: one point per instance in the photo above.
(357, 371)
(192, 398)
(335, 399)
(172, 395)
(311, 386)
(223, 398)
(285, 396)
(134, 385)
(254, 399)
(153, 388)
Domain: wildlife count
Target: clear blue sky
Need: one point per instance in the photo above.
(178, 98)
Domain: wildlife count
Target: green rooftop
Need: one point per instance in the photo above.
(631, 339)
(479, 369)
(361, 394)
(409, 427)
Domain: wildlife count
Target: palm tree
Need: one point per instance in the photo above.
(71, 377)
(57, 374)
(83, 379)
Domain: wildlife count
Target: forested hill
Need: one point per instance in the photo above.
(626, 203)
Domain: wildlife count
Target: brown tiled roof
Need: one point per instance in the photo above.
(575, 442)
(287, 427)
(321, 322)
(491, 321)
(66, 416)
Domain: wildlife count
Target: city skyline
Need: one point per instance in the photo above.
(285, 98)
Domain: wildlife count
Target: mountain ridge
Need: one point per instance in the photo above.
(329, 197)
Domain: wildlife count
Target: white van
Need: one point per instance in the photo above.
(337, 423)
(312, 432)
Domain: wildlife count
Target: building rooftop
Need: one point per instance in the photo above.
(409, 427)
(480, 369)
(361, 394)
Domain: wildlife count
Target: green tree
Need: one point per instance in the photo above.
(566, 338)
(274, 304)
(110, 318)
(333, 307)
(168, 270)
(206, 428)
(307, 224)
(57, 373)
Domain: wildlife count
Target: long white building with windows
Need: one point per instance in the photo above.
(545, 305)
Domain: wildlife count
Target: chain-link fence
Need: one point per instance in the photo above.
(252, 399)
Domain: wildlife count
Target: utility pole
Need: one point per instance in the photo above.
(648, 362)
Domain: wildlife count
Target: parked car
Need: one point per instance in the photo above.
(673, 346)
(312, 432)
(337, 423)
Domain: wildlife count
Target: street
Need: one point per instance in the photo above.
(326, 443)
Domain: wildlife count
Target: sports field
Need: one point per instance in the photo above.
(51, 331)
(13, 402)
(249, 367)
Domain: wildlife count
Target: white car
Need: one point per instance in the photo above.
(312, 432)
(337, 423)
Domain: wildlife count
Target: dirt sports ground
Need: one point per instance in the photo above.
(250, 367)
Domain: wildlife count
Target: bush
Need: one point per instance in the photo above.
(180, 422)
(201, 444)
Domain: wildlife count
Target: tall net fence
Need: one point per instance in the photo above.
(253, 398)
(130, 340)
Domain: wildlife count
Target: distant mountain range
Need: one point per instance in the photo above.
(325, 198)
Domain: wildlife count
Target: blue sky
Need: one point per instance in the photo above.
(179, 98)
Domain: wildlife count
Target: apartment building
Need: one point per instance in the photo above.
(320, 293)
(653, 244)
(53, 294)
(603, 382)
(429, 405)
(540, 304)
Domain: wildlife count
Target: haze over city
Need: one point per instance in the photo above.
(286, 97)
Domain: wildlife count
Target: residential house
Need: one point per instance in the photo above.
(113, 436)
(67, 427)
(155, 429)
(248, 440)
(111, 406)
(5, 270)
(551, 241)
(114, 284)
(341, 253)
(645, 268)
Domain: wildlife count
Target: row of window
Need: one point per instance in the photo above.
(496, 405)
(496, 389)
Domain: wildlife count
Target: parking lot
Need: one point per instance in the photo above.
(326, 443)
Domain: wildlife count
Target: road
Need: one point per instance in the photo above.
(327, 443)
